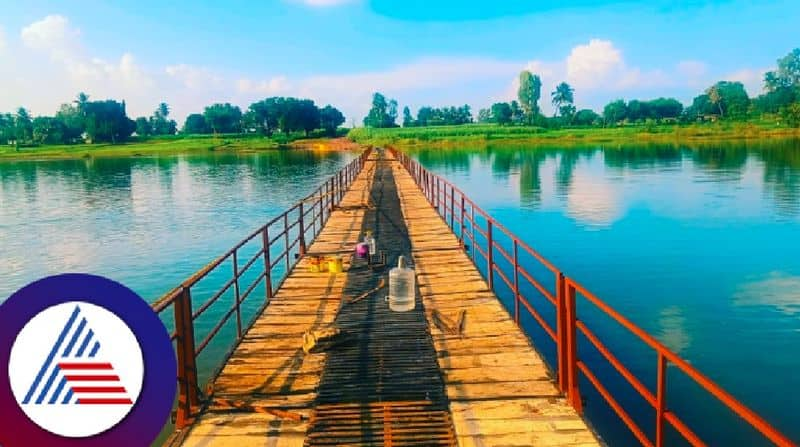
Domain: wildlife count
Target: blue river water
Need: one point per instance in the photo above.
(698, 245)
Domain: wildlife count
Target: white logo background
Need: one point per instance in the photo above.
(118, 346)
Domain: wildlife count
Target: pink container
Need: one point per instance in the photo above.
(362, 250)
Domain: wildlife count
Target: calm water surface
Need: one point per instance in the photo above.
(699, 246)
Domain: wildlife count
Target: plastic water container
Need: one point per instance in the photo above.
(402, 287)
(370, 240)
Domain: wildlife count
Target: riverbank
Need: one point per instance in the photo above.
(483, 134)
(173, 146)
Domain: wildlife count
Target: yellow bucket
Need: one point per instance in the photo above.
(335, 264)
(316, 265)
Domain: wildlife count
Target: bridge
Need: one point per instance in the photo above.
(456, 370)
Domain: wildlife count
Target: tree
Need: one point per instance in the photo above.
(586, 117)
(408, 120)
(615, 111)
(383, 113)
(107, 121)
(73, 120)
(716, 98)
(484, 116)
(501, 113)
(48, 130)
(517, 114)
(563, 99)
(143, 128)
(160, 124)
(195, 124)
(530, 90)
(791, 114)
(23, 125)
(787, 74)
(223, 118)
(330, 119)
(729, 98)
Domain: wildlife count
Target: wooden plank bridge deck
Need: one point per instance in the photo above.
(401, 380)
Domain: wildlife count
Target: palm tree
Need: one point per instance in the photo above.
(562, 96)
(163, 110)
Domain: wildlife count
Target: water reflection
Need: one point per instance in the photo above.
(673, 333)
(584, 177)
(146, 221)
(778, 289)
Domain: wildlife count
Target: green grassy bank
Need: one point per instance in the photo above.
(478, 134)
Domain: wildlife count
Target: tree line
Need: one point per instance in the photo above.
(724, 100)
(106, 121)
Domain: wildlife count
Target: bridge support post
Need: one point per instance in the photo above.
(302, 234)
(561, 333)
(573, 393)
(489, 253)
(188, 399)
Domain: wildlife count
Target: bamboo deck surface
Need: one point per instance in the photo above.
(497, 386)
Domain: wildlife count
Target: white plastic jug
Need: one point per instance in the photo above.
(370, 240)
(402, 287)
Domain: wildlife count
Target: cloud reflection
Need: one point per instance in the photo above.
(672, 331)
(779, 290)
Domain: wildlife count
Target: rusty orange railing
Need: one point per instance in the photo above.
(459, 212)
(288, 233)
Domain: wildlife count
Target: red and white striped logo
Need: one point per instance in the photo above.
(76, 369)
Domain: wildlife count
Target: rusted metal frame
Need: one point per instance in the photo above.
(188, 399)
(452, 207)
(478, 249)
(686, 432)
(286, 240)
(516, 283)
(561, 332)
(490, 254)
(571, 340)
(617, 364)
(267, 264)
(535, 314)
(214, 331)
(277, 236)
(249, 263)
(236, 295)
(712, 388)
(461, 234)
(615, 405)
(483, 233)
(661, 399)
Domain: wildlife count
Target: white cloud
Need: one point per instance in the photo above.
(53, 35)
(590, 65)
(692, 68)
(191, 76)
(753, 79)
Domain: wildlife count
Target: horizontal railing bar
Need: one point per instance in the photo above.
(213, 299)
(615, 405)
(252, 286)
(214, 331)
(503, 252)
(256, 257)
(278, 236)
(635, 383)
(503, 276)
(535, 314)
(538, 286)
(681, 428)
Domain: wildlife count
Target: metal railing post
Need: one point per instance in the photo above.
(661, 397)
(188, 398)
(267, 262)
(561, 333)
(573, 393)
(452, 207)
(516, 283)
(461, 235)
(302, 232)
(489, 254)
(286, 240)
(236, 294)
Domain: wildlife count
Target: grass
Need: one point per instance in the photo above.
(481, 134)
(174, 144)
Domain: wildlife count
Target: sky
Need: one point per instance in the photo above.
(190, 54)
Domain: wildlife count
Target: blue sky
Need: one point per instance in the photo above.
(421, 52)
